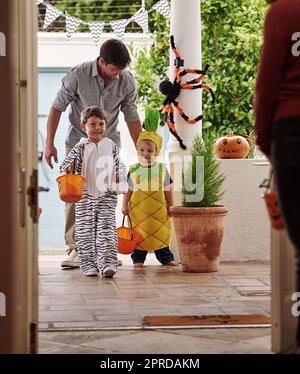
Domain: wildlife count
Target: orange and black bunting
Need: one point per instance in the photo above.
(172, 91)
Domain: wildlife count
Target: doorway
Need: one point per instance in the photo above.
(19, 277)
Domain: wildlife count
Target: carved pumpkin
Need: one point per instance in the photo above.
(273, 210)
(231, 146)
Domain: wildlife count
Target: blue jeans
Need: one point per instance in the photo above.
(164, 255)
(285, 157)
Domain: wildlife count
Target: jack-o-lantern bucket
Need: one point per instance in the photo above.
(70, 187)
(231, 146)
(274, 210)
(272, 204)
(128, 238)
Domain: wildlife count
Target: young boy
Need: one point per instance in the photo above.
(147, 201)
(97, 159)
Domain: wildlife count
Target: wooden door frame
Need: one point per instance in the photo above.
(18, 159)
(284, 324)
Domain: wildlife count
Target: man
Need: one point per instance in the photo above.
(105, 83)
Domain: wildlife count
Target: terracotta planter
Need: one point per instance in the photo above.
(199, 233)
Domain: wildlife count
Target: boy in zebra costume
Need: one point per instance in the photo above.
(97, 159)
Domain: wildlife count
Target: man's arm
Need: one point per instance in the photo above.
(134, 129)
(129, 109)
(64, 97)
(52, 124)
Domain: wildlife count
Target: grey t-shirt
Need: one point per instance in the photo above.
(83, 87)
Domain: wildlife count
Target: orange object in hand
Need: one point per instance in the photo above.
(128, 238)
(274, 212)
(70, 187)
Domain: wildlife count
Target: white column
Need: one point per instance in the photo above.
(186, 28)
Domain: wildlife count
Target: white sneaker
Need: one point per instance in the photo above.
(109, 272)
(71, 261)
(92, 272)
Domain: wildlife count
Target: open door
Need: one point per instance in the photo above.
(284, 324)
(18, 188)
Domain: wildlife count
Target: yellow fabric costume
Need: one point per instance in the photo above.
(147, 205)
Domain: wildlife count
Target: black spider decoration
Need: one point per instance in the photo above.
(172, 91)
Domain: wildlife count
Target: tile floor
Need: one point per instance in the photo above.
(76, 310)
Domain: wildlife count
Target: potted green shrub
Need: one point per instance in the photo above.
(199, 223)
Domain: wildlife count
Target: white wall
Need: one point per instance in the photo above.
(55, 51)
(247, 227)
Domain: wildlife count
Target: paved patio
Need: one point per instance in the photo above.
(76, 310)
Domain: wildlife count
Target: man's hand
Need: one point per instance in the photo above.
(134, 129)
(52, 124)
(50, 151)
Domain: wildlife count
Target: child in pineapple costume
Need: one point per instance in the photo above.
(148, 200)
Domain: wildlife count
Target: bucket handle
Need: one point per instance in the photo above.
(266, 183)
(73, 167)
(131, 229)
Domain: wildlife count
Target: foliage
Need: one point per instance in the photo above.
(150, 67)
(251, 138)
(231, 43)
(206, 176)
(231, 40)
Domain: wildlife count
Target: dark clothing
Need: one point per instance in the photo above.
(163, 255)
(277, 94)
(285, 157)
(277, 111)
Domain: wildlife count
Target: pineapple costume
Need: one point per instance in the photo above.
(147, 206)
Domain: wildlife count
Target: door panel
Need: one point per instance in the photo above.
(284, 324)
(29, 156)
(18, 155)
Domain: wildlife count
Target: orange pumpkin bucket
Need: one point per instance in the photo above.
(128, 238)
(272, 205)
(70, 187)
(273, 210)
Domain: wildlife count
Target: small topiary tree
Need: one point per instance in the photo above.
(205, 175)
